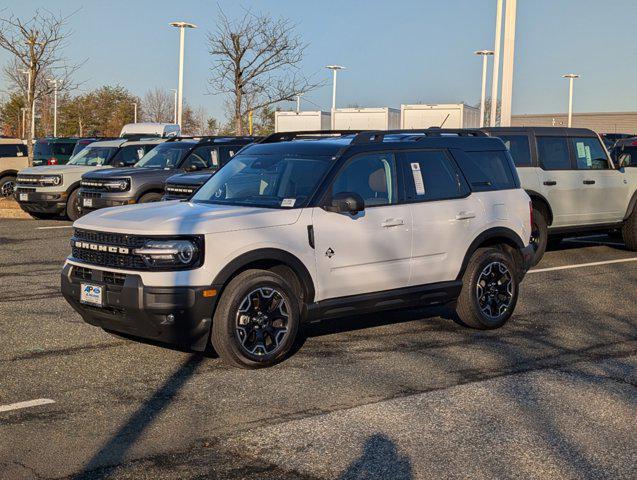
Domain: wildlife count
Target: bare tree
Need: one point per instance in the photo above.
(256, 61)
(36, 45)
(158, 106)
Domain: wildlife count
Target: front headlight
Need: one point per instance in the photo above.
(51, 180)
(170, 253)
(117, 185)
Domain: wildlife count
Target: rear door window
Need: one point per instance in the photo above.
(130, 155)
(553, 153)
(589, 153)
(62, 148)
(488, 170)
(431, 175)
(8, 150)
(520, 149)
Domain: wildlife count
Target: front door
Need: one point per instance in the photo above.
(369, 251)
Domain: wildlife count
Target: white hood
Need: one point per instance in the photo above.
(181, 218)
(58, 169)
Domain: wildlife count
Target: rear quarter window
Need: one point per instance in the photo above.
(520, 149)
(488, 170)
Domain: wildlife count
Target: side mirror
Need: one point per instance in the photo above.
(623, 160)
(346, 202)
(192, 167)
(119, 164)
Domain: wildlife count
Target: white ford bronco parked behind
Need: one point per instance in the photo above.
(302, 227)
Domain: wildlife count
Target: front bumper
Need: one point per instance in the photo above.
(168, 197)
(40, 202)
(90, 201)
(132, 308)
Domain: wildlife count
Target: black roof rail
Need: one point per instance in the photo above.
(287, 136)
(212, 138)
(377, 136)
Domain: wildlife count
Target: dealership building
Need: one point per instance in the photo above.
(600, 122)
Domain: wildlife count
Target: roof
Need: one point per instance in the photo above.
(120, 141)
(543, 131)
(11, 141)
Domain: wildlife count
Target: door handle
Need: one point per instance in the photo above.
(392, 222)
(550, 183)
(465, 215)
(589, 182)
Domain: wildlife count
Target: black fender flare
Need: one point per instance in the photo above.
(631, 205)
(533, 194)
(150, 188)
(8, 173)
(500, 234)
(268, 255)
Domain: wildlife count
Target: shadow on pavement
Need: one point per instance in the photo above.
(380, 460)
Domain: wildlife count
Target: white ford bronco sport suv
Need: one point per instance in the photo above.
(51, 190)
(574, 185)
(307, 226)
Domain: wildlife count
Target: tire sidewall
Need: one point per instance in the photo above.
(488, 257)
(3, 182)
(150, 198)
(73, 211)
(539, 223)
(225, 318)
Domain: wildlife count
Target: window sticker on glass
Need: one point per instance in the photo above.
(214, 157)
(418, 182)
(581, 150)
(288, 202)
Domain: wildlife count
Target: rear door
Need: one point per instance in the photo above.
(443, 214)
(370, 251)
(560, 183)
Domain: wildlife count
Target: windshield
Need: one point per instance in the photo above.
(271, 181)
(93, 156)
(166, 155)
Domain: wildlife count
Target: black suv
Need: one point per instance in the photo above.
(144, 182)
(182, 185)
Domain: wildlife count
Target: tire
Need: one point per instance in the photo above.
(629, 231)
(539, 235)
(150, 197)
(43, 216)
(7, 185)
(242, 333)
(471, 308)
(73, 211)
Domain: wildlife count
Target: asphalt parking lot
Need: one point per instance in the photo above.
(403, 395)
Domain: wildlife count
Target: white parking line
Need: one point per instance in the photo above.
(30, 403)
(51, 228)
(593, 242)
(582, 265)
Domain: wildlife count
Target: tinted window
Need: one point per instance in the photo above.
(130, 155)
(42, 149)
(519, 147)
(589, 154)
(552, 153)
(206, 157)
(632, 151)
(372, 176)
(8, 150)
(431, 176)
(62, 148)
(486, 171)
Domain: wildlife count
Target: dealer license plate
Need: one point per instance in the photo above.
(88, 202)
(24, 197)
(92, 294)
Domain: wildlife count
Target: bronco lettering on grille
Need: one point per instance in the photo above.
(101, 248)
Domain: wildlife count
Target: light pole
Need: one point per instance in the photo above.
(571, 77)
(496, 65)
(54, 81)
(24, 114)
(32, 101)
(334, 69)
(485, 57)
(174, 90)
(134, 112)
(180, 88)
(298, 103)
(507, 62)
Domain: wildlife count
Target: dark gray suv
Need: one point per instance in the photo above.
(144, 182)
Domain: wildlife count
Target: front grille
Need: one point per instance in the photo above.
(82, 273)
(113, 278)
(25, 189)
(97, 255)
(179, 190)
(34, 180)
(99, 185)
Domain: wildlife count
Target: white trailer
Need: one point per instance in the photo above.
(445, 115)
(302, 121)
(383, 118)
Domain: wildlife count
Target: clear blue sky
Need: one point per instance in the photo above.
(400, 51)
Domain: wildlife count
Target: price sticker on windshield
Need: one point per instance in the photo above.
(418, 182)
(288, 202)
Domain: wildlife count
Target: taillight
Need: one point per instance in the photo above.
(531, 213)
(634, 144)
(52, 161)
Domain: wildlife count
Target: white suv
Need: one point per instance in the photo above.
(302, 227)
(574, 185)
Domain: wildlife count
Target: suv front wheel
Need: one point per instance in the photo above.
(489, 290)
(629, 231)
(256, 321)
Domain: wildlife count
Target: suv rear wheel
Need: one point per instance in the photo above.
(257, 320)
(539, 235)
(489, 291)
(7, 185)
(629, 231)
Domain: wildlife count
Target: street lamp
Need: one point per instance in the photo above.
(496, 65)
(180, 88)
(485, 56)
(54, 81)
(174, 90)
(298, 102)
(571, 77)
(334, 69)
